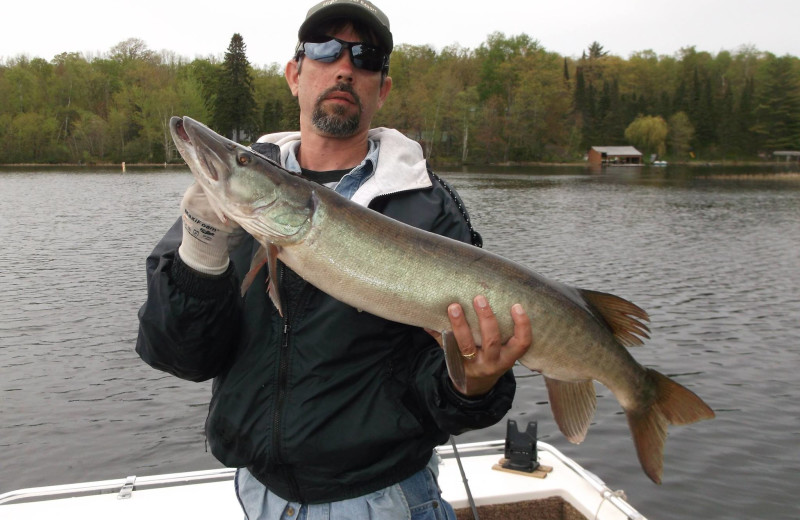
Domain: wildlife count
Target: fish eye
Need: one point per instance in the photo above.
(244, 159)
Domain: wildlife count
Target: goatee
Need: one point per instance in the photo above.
(334, 121)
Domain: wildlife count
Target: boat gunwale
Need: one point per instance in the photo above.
(614, 497)
(136, 483)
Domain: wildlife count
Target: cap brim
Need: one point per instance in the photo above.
(349, 11)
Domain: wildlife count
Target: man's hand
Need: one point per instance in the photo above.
(484, 365)
(207, 240)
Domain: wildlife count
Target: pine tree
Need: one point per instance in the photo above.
(233, 111)
(778, 109)
(596, 51)
(747, 138)
(726, 129)
(580, 91)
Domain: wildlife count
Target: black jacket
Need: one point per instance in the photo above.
(327, 403)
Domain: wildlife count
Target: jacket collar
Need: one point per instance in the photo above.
(401, 163)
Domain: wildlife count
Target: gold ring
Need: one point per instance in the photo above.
(470, 356)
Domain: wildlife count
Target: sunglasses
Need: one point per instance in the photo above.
(362, 55)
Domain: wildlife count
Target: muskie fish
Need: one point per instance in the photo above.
(404, 274)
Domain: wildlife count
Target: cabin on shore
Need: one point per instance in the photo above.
(615, 155)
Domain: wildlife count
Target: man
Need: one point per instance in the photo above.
(328, 412)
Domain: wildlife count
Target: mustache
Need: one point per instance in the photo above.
(340, 87)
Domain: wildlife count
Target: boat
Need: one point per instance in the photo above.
(474, 478)
(659, 163)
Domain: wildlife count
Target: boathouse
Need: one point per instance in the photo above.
(614, 155)
(788, 155)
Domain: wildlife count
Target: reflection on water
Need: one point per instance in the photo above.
(714, 261)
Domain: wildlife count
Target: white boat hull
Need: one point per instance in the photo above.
(210, 495)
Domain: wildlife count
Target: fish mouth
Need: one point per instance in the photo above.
(186, 146)
(177, 129)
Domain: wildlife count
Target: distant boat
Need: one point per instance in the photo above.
(659, 163)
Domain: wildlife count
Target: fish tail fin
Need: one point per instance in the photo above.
(673, 404)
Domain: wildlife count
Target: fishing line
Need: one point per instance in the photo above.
(464, 479)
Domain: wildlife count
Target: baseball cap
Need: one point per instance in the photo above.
(361, 10)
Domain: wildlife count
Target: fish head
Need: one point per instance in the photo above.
(269, 202)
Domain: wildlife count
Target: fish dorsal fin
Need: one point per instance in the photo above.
(625, 319)
(573, 404)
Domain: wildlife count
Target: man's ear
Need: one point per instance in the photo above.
(386, 86)
(292, 74)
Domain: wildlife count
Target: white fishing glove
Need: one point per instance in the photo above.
(207, 241)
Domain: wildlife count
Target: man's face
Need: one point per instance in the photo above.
(337, 99)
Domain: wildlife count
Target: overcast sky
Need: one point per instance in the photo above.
(204, 28)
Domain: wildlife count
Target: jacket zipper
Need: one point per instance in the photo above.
(280, 400)
(283, 369)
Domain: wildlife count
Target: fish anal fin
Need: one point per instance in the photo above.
(454, 361)
(573, 404)
(673, 404)
(626, 320)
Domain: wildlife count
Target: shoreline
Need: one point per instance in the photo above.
(444, 164)
(93, 165)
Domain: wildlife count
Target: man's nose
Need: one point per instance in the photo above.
(344, 67)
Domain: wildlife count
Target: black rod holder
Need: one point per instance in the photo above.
(520, 452)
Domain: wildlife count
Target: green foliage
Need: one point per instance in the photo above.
(778, 112)
(680, 135)
(279, 110)
(648, 134)
(508, 100)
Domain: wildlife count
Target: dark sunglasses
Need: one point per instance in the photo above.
(363, 55)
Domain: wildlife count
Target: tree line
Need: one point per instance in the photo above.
(509, 100)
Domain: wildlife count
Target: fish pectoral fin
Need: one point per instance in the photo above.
(265, 255)
(273, 289)
(573, 404)
(258, 261)
(626, 320)
(454, 361)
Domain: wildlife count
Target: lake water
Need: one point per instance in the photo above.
(714, 259)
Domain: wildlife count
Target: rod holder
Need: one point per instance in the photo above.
(520, 451)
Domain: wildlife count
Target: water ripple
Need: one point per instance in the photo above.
(714, 263)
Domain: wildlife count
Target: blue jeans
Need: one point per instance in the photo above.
(415, 498)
